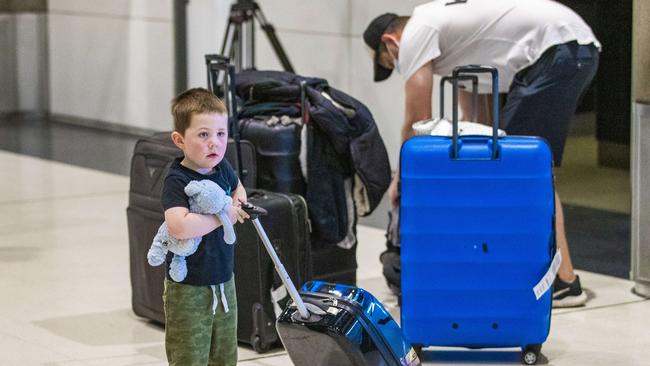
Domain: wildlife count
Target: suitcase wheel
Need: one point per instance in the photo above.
(258, 345)
(530, 354)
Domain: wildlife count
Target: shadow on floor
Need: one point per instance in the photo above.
(101, 329)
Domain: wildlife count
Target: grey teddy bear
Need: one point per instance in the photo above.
(205, 197)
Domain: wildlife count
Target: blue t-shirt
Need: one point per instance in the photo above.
(213, 261)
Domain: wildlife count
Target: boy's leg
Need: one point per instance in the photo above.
(188, 318)
(223, 350)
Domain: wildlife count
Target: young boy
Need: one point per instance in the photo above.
(201, 311)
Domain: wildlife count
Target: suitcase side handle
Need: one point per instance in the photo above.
(475, 69)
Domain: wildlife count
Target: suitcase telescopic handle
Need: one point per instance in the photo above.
(475, 69)
(474, 80)
(254, 213)
(214, 65)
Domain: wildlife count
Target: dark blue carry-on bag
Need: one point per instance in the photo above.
(477, 234)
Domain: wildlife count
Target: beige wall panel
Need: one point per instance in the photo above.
(641, 51)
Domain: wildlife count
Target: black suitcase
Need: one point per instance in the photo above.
(259, 291)
(277, 148)
(260, 296)
(335, 264)
(151, 159)
(277, 144)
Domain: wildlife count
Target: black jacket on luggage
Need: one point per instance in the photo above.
(345, 144)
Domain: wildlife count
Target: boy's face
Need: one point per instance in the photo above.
(205, 141)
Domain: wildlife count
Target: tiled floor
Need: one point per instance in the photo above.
(65, 287)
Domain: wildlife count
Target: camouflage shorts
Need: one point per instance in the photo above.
(193, 334)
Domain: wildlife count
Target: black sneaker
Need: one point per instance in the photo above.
(568, 295)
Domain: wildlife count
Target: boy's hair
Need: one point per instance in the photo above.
(194, 101)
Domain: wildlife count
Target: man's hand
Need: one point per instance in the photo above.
(393, 191)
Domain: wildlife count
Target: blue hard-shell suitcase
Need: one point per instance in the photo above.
(477, 231)
(356, 329)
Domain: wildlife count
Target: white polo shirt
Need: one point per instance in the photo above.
(507, 34)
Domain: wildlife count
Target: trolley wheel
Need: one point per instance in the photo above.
(530, 354)
(258, 345)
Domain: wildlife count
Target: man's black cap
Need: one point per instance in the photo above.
(372, 37)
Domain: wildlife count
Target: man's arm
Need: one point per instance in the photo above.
(418, 92)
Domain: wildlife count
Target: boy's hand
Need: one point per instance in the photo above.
(237, 214)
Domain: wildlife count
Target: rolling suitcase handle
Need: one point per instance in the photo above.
(475, 69)
(306, 310)
(474, 80)
(547, 280)
(214, 65)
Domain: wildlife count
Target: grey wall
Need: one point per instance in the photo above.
(23, 58)
(8, 82)
(112, 61)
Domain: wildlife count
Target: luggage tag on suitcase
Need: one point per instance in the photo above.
(546, 282)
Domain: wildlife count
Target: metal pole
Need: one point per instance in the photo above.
(180, 45)
(640, 148)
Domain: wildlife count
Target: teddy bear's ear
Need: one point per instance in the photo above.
(192, 188)
(210, 186)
